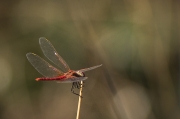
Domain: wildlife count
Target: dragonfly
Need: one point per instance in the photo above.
(63, 74)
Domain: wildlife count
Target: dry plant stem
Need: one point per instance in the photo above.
(79, 103)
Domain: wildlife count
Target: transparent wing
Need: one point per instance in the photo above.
(73, 79)
(50, 52)
(90, 68)
(42, 66)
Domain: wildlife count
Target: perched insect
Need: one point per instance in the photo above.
(65, 75)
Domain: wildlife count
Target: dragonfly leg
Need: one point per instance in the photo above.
(75, 85)
(78, 85)
(83, 84)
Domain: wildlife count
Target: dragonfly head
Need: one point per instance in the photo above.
(79, 74)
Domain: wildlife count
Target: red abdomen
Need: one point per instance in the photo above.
(51, 79)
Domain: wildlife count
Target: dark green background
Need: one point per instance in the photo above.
(137, 41)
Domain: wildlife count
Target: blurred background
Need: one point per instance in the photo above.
(137, 41)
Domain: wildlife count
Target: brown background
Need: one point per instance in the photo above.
(137, 41)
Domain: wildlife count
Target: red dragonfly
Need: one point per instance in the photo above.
(65, 75)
